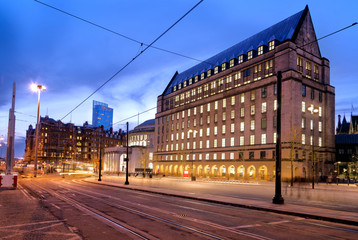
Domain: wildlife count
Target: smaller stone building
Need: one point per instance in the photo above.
(141, 148)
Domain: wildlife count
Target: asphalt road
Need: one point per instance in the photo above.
(56, 208)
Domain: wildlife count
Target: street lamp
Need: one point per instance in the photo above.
(313, 111)
(193, 178)
(37, 88)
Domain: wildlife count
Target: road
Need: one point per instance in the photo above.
(83, 210)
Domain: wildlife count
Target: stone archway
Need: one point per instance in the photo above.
(231, 172)
(251, 172)
(214, 171)
(207, 171)
(241, 172)
(199, 171)
(222, 171)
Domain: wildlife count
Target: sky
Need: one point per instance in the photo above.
(73, 58)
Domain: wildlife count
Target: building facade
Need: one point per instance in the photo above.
(102, 115)
(218, 118)
(61, 143)
(141, 148)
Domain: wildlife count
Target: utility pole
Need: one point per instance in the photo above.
(100, 155)
(11, 135)
(278, 199)
(127, 158)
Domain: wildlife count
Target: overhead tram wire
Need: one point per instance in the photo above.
(134, 58)
(122, 35)
(330, 34)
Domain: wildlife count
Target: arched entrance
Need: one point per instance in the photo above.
(200, 171)
(251, 172)
(232, 172)
(214, 171)
(222, 171)
(241, 171)
(207, 171)
(263, 172)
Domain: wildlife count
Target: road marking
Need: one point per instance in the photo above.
(29, 224)
(248, 226)
(56, 206)
(26, 193)
(279, 222)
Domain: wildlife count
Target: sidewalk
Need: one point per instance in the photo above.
(187, 189)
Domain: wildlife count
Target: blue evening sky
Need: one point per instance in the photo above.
(72, 58)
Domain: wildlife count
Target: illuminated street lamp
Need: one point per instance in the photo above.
(193, 178)
(313, 111)
(37, 88)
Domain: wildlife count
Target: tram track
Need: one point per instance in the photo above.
(134, 231)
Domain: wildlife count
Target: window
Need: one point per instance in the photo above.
(320, 96)
(252, 110)
(222, 156)
(260, 50)
(311, 125)
(215, 118)
(320, 141)
(251, 155)
(316, 72)
(242, 112)
(263, 107)
(303, 139)
(263, 123)
(274, 137)
(299, 64)
(308, 69)
(200, 144)
(232, 100)
(303, 91)
(262, 154)
(208, 132)
(202, 75)
(320, 111)
(252, 125)
(272, 45)
(215, 130)
(215, 156)
(223, 66)
(274, 105)
(207, 143)
(311, 140)
(223, 129)
(232, 62)
(263, 92)
(275, 89)
(208, 107)
(216, 69)
(195, 111)
(215, 143)
(303, 123)
(252, 95)
(232, 128)
(320, 126)
(250, 54)
(224, 116)
(242, 140)
(252, 139)
(263, 138)
(194, 122)
(223, 142)
(232, 141)
(208, 119)
(216, 105)
(312, 93)
(242, 126)
(242, 97)
(201, 109)
(224, 103)
(200, 132)
(241, 58)
(232, 114)
(303, 107)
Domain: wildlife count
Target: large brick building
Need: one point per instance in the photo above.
(61, 143)
(218, 118)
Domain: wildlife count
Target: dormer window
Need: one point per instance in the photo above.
(260, 50)
(196, 78)
(185, 83)
(175, 88)
(216, 69)
(272, 45)
(190, 81)
(209, 72)
(223, 66)
(250, 54)
(202, 75)
(232, 62)
(179, 86)
(241, 58)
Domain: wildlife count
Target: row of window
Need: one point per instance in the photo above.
(234, 61)
(217, 86)
(308, 68)
(312, 93)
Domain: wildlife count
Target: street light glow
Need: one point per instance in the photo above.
(35, 87)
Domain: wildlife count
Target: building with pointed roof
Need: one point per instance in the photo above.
(218, 118)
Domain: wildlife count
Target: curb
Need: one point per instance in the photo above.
(284, 212)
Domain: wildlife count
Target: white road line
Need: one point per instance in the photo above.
(56, 206)
(29, 224)
(279, 222)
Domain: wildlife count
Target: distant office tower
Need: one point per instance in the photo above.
(102, 115)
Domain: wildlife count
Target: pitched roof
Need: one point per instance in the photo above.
(282, 31)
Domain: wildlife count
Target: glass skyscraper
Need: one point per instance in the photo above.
(102, 115)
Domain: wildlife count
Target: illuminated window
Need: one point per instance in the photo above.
(232, 156)
(303, 107)
(303, 139)
(208, 132)
(215, 143)
(216, 69)
(224, 103)
(263, 138)
(208, 107)
(242, 98)
(223, 142)
(320, 126)
(232, 114)
(263, 107)
(224, 116)
(252, 139)
(222, 156)
(311, 124)
(232, 62)
(320, 111)
(232, 141)
(232, 100)
(260, 50)
(201, 109)
(252, 125)
(311, 140)
(223, 129)
(200, 132)
(252, 110)
(250, 54)
(215, 156)
(274, 105)
(274, 137)
(241, 59)
(223, 66)
(272, 45)
(303, 123)
(207, 143)
(215, 130)
(252, 95)
(216, 105)
(200, 144)
(242, 126)
(232, 128)
(263, 123)
(242, 112)
(299, 64)
(320, 141)
(242, 140)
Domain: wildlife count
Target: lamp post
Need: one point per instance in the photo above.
(193, 178)
(127, 157)
(37, 88)
(313, 111)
